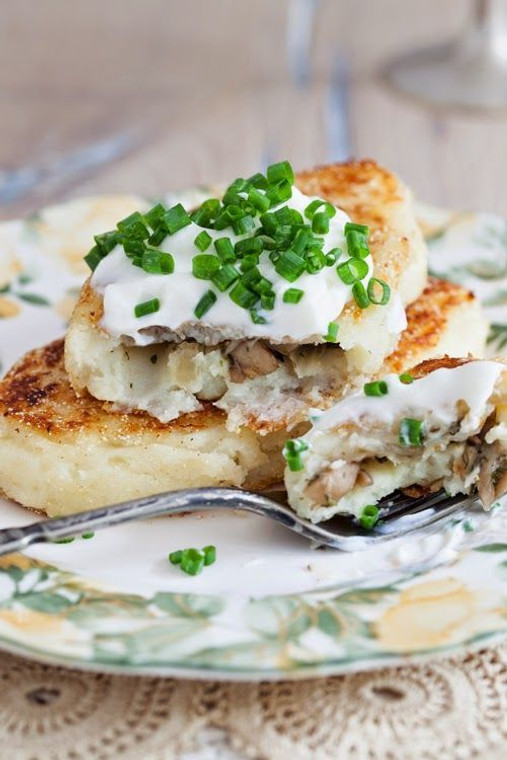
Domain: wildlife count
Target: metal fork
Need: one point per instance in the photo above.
(400, 515)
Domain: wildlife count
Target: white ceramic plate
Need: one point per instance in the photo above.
(270, 607)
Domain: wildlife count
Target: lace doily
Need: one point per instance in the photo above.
(451, 709)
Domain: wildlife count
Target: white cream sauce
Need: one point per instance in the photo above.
(437, 394)
(124, 285)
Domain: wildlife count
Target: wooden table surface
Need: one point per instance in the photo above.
(161, 94)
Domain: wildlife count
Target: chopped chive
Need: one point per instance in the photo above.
(386, 292)
(175, 557)
(155, 215)
(360, 295)
(369, 516)
(315, 261)
(279, 193)
(147, 307)
(300, 241)
(243, 225)
(225, 250)
(326, 208)
(249, 262)
(292, 453)
(192, 561)
(248, 245)
(406, 378)
(89, 534)
(411, 432)
(352, 270)
(290, 266)
(376, 388)
(262, 285)
(281, 171)
(207, 211)
(258, 180)
(257, 318)
(320, 223)
(269, 222)
(332, 333)
(203, 241)
(68, 540)
(107, 241)
(225, 276)
(133, 247)
(205, 266)
(268, 301)
(158, 236)
(205, 303)
(243, 296)
(93, 258)
(258, 200)
(293, 295)
(361, 228)
(357, 244)
(134, 226)
(175, 219)
(332, 256)
(210, 555)
(157, 262)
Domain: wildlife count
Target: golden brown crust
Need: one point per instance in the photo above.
(426, 321)
(36, 392)
(369, 194)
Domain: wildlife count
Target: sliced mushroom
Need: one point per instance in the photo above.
(490, 465)
(251, 358)
(332, 483)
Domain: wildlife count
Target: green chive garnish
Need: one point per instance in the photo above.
(175, 557)
(320, 223)
(155, 216)
(293, 295)
(205, 304)
(257, 318)
(258, 200)
(93, 258)
(280, 171)
(147, 307)
(107, 241)
(243, 225)
(192, 561)
(406, 378)
(134, 226)
(324, 207)
(352, 270)
(68, 540)
(411, 432)
(361, 228)
(205, 266)
(385, 292)
(89, 534)
(203, 241)
(292, 453)
(225, 250)
(369, 516)
(157, 262)
(332, 333)
(243, 296)
(175, 219)
(290, 266)
(225, 276)
(210, 555)
(332, 256)
(376, 388)
(360, 295)
(268, 301)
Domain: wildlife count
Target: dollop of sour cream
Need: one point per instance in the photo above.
(124, 285)
(436, 394)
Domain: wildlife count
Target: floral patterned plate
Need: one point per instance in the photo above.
(270, 607)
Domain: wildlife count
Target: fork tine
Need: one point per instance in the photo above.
(400, 504)
(426, 513)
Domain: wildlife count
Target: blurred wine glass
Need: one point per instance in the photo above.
(470, 71)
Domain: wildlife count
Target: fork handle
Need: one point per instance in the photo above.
(170, 503)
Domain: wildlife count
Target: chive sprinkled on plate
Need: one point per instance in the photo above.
(191, 560)
(205, 303)
(406, 378)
